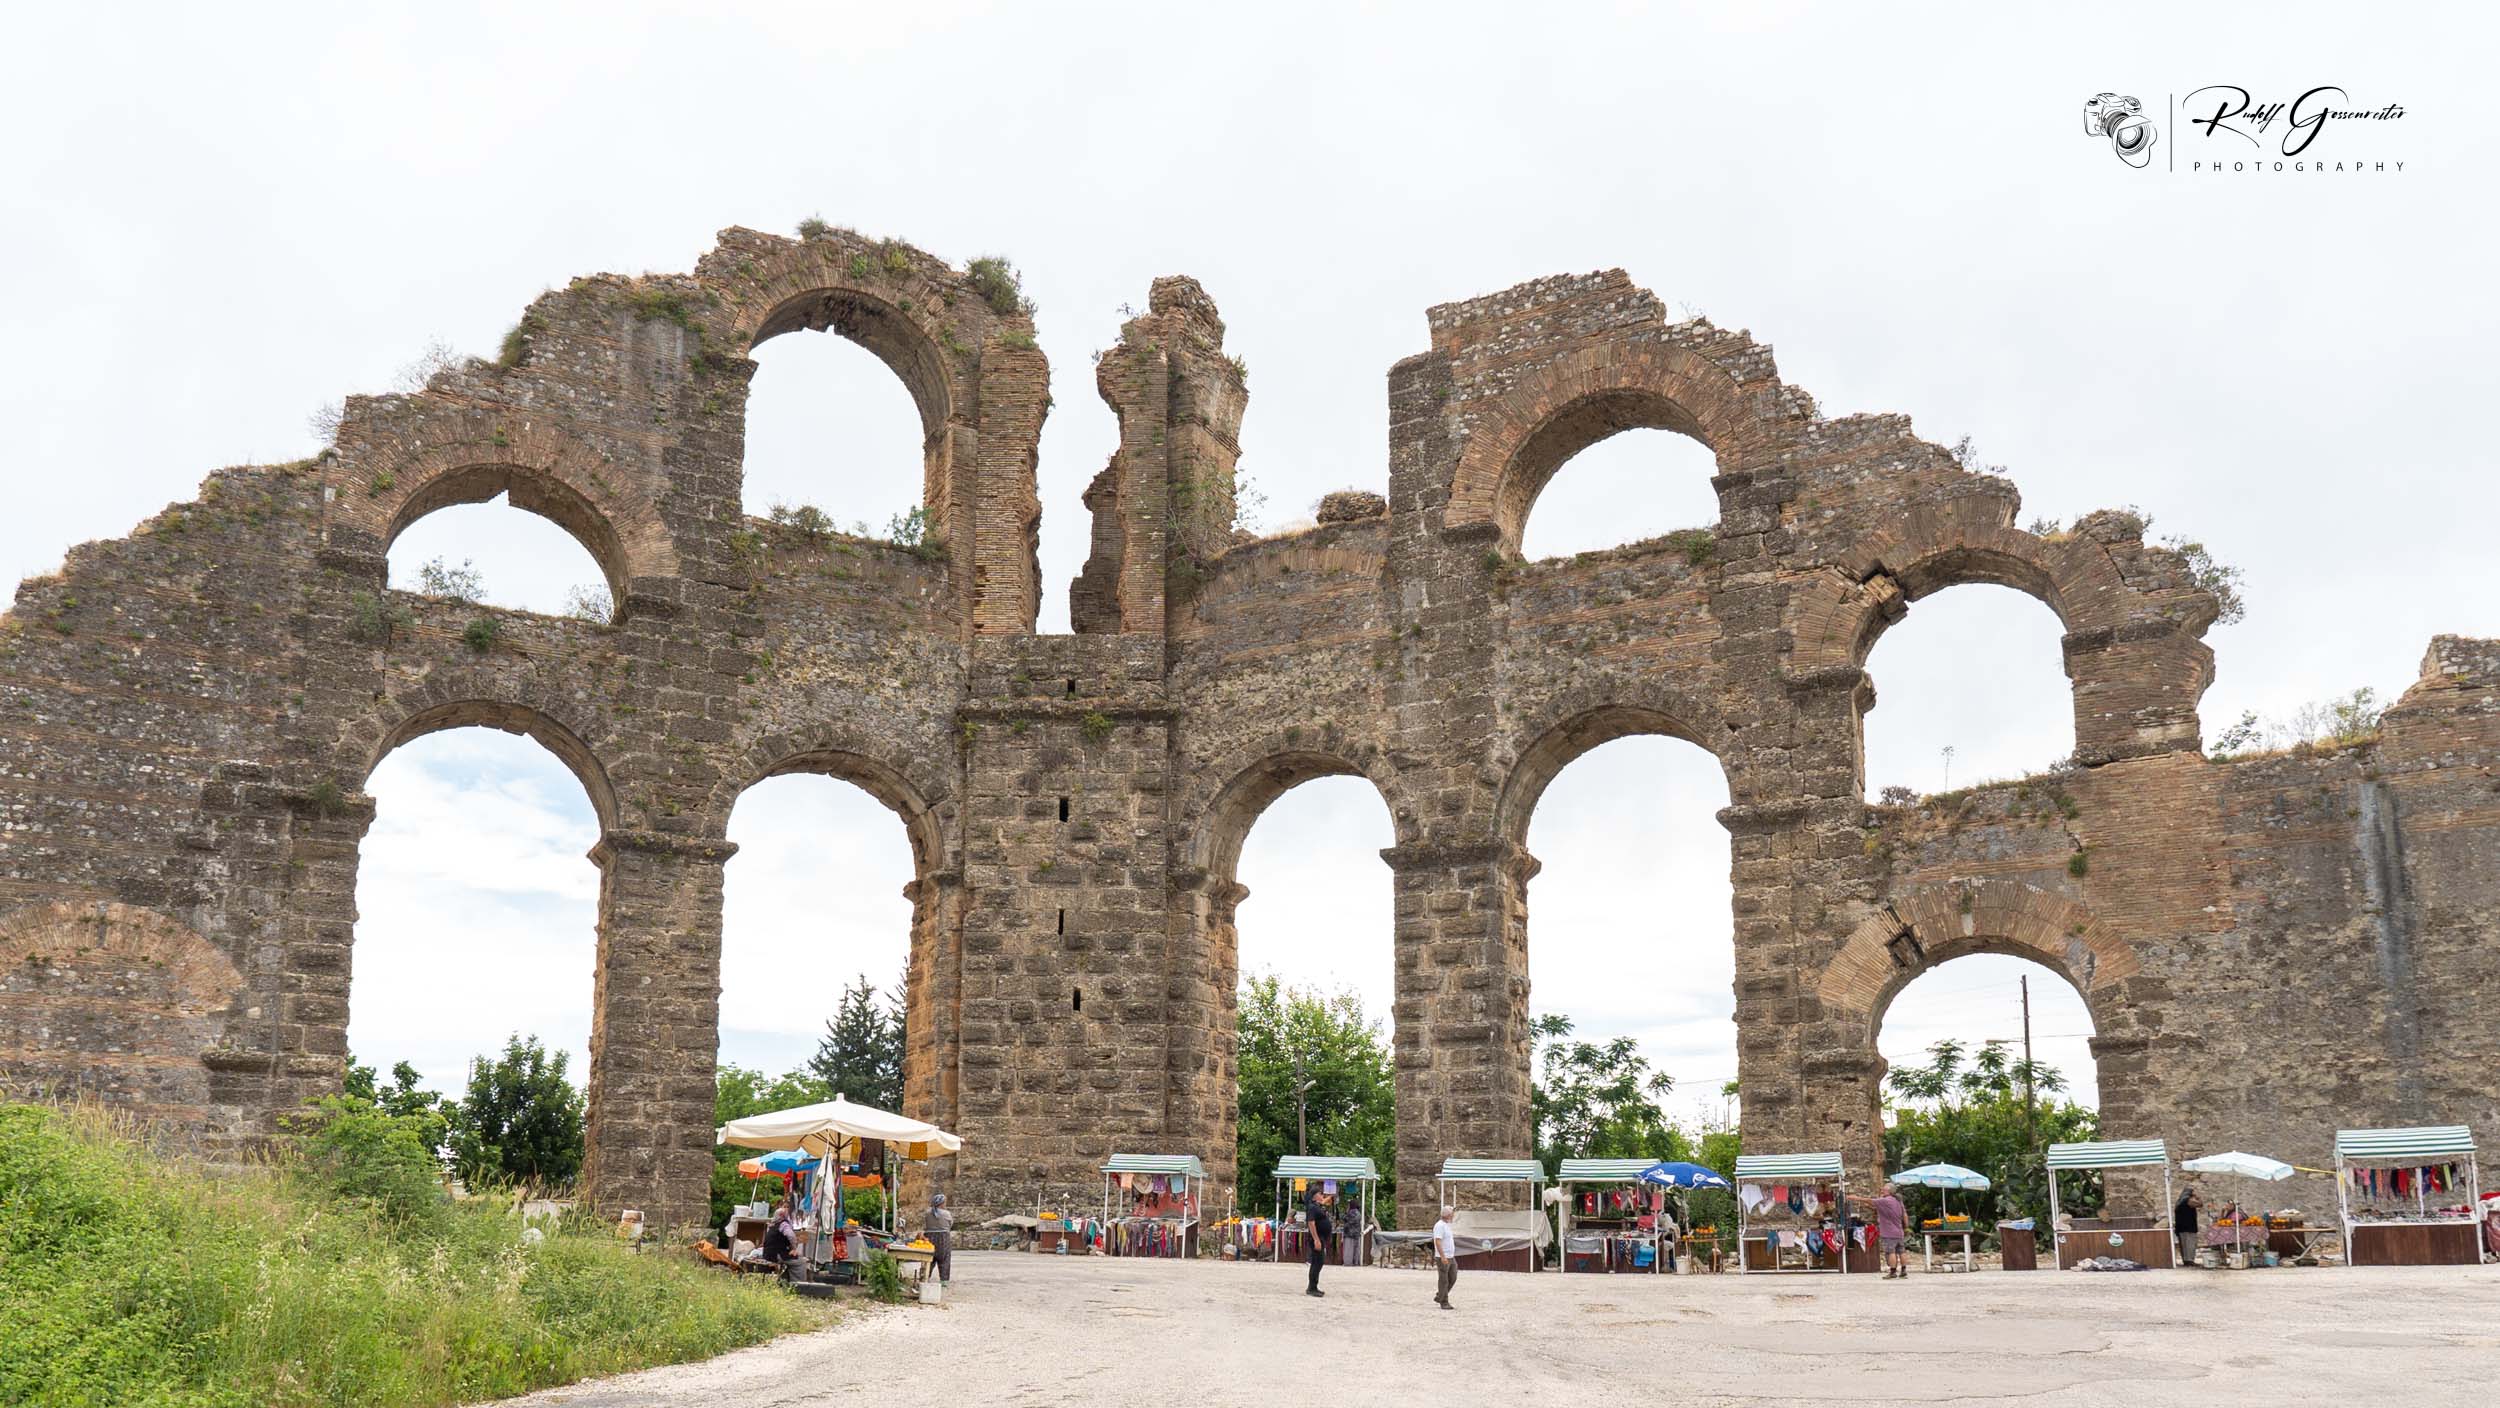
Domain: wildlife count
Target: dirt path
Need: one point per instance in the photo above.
(1031, 1330)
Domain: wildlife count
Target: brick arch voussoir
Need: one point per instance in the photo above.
(1932, 925)
(899, 777)
(1229, 795)
(1531, 755)
(1739, 420)
(456, 698)
(544, 469)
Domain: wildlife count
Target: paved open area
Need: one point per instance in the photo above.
(1021, 1329)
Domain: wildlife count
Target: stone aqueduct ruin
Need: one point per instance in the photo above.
(2269, 948)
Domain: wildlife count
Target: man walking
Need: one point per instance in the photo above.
(1892, 1232)
(940, 1229)
(1322, 1229)
(1444, 1260)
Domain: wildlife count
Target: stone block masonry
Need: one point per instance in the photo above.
(2270, 948)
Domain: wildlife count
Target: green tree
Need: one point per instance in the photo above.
(1964, 1107)
(402, 1098)
(1292, 1036)
(1598, 1100)
(521, 1121)
(861, 1053)
(737, 1093)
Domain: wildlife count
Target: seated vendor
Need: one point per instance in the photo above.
(781, 1239)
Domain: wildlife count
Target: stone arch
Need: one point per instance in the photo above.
(1935, 924)
(1581, 720)
(541, 470)
(916, 793)
(435, 708)
(1249, 779)
(1562, 407)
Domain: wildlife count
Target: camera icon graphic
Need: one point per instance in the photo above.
(2122, 121)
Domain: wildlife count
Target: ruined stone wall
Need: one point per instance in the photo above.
(2270, 948)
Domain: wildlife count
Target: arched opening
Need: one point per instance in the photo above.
(1310, 981)
(499, 537)
(1629, 486)
(1970, 688)
(1631, 932)
(1953, 1043)
(851, 423)
(477, 903)
(813, 906)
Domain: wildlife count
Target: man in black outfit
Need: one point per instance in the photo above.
(2183, 1227)
(1323, 1229)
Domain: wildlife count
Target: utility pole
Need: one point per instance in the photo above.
(1301, 1107)
(2031, 1116)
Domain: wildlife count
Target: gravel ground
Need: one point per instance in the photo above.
(1021, 1329)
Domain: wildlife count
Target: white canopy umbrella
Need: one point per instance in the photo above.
(2240, 1165)
(823, 1128)
(1944, 1178)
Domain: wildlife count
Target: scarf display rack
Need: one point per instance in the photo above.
(1150, 1205)
(1812, 1189)
(1610, 1220)
(2378, 1172)
(1310, 1173)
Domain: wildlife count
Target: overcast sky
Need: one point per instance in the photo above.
(217, 222)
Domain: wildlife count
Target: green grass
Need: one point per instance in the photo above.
(128, 1279)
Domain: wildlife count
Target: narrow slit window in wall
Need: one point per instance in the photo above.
(1076, 999)
(1063, 921)
(1063, 809)
(1071, 689)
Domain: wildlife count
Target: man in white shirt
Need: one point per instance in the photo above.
(1444, 1259)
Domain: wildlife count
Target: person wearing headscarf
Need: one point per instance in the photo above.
(940, 1228)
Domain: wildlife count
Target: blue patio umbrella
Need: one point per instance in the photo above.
(1681, 1175)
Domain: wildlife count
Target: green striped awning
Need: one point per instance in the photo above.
(1156, 1163)
(1492, 1171)
(1787, 1166)
(2109, 1153)
(2421, 1142)
(1603, 1170)
(1321, 1166)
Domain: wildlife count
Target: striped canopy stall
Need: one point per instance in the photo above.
(1312, 1170)
(1492, 1171)
(1157, 1163)
(1603, 1170)
(1785, 1166)
(1617, 1172)
(2110, 1153)
(1322, 1166)
(2429, 1141)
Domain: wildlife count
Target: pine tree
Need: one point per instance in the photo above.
(861, 1053)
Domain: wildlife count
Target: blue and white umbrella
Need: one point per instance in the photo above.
(1942, 1176)
(1681, 1175)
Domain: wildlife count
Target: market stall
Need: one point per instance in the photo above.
(2144, 1240)
(2227, 1239)
(1353, 1182)
(1792, 1215)
(835, 1132)
(1150, 1205)
(1498, 1239)
(1609, 1217)
(2409, 1197)
(1944, 1178)
(1700, 1244)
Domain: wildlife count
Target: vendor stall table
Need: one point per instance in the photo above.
(2383, 1167)
(1356, 1228)
(1157, 1207)
(1928, 1235)
(1608, 1239)
(1502, 1241)
(2145, 1241)
(1782, 1169)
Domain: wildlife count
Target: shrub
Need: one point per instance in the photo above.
(516, 341)
(812, 227)
(1097, 727)
(590, 602)
(806, 520)
(882, 1277)
(326, 798)
(461, 583)
(999, 285)
(376, 620)
(356, 1151)
(480, 635)
(1698, 545)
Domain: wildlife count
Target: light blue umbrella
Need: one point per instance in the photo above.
(1942, 1176)
(1679, 1175)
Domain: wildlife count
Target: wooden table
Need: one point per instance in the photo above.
(2154, 1247)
